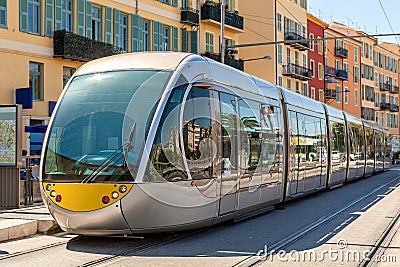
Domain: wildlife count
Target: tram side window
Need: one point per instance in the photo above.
(166, 161)
(370, 144)
(250, 136)
(200, 149)
(338, 142)
(271, 146)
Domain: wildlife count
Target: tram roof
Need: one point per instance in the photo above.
(143, 60)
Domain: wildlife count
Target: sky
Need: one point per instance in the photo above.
(365, 15)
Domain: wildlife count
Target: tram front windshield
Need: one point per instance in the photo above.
(101, 124)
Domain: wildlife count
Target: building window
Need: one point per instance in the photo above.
(356, 97)
(166, 38)
(304, 89)
(36, 80)
(3, 13)
(346, 95)
(338, 94)
(320, 46)
(123, 31)
(279, 54)
(312, 68)
(288, 56)
(280, 82)
(96, 23)
(30, 16)
(355, 54)
(209, 42)
(279, 22)
(311, 36)
(288, 84)
(312, 92)
(320, 71)
(146, 35)
(321, 95)
(356, 74)
(67, 73)
(66, 15)
(377, 117)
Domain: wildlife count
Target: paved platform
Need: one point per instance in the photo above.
(25, 221)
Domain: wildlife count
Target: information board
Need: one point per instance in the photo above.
(8, 135)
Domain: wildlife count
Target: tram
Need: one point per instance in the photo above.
(157, 142)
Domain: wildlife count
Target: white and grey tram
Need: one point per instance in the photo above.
(151, 142)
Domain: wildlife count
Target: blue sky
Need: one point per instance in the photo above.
(365, 15)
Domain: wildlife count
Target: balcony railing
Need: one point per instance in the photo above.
(330, 71)
(367, 114)
(298, 72)
(212, 11)
(385, 86)
(385, 106)
(237, 64)
(330, 94)
(190, 16)
(291, 39)
(341, 52)
(341, 74)
(394, 108)
(72, 46)
(394, 89)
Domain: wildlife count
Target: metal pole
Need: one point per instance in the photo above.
(137, 6)
(222, 31)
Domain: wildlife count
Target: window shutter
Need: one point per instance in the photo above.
(155, 35)
(89, 19)
(116, 27)
(175, 39)
(193, 42)
(174, 2)
(161, 37)
(48, 25)
(108, 25)
(136, 33)
(23, 15)
(81, 17)
(184, 40)
(57, 15)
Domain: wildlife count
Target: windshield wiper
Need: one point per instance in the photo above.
(112, 158)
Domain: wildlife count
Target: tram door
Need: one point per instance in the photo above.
(228, 154)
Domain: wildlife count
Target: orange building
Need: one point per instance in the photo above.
(342, 71)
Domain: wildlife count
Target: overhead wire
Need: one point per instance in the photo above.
(387, 18)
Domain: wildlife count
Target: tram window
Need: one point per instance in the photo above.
(250, 140)
(271, 146)
(229, 134)
(338, 142)
(200, 149)
(166, 156)
(370, 144)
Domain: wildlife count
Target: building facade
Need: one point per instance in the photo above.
(316, 57)
(283, 21)
(43, 42)
(342, 71)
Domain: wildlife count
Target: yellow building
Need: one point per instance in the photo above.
(277, 20)
(43, 42)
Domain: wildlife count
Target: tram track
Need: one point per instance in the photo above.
(296, 236)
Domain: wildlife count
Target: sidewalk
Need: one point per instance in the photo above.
(25, 221)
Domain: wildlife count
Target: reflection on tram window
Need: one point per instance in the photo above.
(166, 156)
(250, 144)
(370, 144)
(200, 149)
(338, 142)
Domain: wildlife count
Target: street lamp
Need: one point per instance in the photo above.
(258, 58)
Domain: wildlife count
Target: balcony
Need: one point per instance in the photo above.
(298, 72)
(394, 89)
(385, 86)
(190, 16)
(211, 11)
(341, 74)
(341, 52)
(237, 64)
(72, 46)
(330, 94)
(385, 106)
(394, 108)
(291, 39)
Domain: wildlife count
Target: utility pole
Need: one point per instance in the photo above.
(222, 31)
